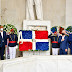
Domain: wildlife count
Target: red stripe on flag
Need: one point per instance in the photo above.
(41, 34)
(25, 46)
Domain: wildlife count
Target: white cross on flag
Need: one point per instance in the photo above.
(33, 40)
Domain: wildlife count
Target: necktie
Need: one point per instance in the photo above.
(0, 33)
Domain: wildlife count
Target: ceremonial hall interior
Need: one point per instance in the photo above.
(36, 23)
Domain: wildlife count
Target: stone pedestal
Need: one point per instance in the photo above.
(37, 25)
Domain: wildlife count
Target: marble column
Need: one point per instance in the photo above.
(68, 13)
(0, 12)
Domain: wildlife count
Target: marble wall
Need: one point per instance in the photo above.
(54, 10)
(13, 12)
(0, 12)
(68, 13)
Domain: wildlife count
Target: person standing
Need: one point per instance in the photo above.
(70, 43)
(3, 42)
(55, 44)
(12, 44)
(63, 40)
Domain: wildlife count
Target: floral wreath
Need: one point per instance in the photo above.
(57, 28)
(8, 27)
(69, 29)
(54, 29)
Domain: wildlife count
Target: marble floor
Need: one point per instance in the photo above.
(36, 63)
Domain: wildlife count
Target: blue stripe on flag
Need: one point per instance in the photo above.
(44, 46)
(27, 34)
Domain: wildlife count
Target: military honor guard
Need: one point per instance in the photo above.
(63, 40)
(3, 42)
(54, 41)
(12, 44)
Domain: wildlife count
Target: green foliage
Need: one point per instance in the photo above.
(69, 28)
(8, 27)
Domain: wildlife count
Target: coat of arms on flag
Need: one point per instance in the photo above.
(33, 40)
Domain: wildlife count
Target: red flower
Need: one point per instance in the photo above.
(60, 30)
(12, 30)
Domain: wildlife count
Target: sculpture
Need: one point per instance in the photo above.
(32, 7)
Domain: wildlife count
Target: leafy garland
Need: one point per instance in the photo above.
(69, 29)
(8, 27)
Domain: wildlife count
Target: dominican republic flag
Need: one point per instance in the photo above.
(33, 40)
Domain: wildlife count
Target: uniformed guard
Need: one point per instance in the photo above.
(54, 41)
(12, 44)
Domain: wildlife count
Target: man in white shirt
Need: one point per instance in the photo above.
(3, 43)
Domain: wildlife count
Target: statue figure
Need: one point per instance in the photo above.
(34, 10)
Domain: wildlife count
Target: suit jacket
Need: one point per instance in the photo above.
(0, 41)
(4, 39)
(63, 44)
(70, 41)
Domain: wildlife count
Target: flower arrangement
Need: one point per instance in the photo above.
(69, 29)
(8, 27)
(53, 29)
(60, 30)
(57, 28)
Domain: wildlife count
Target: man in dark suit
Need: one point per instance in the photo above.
(0, 42)
(63, 40)
(3, 42)
(70, 42)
